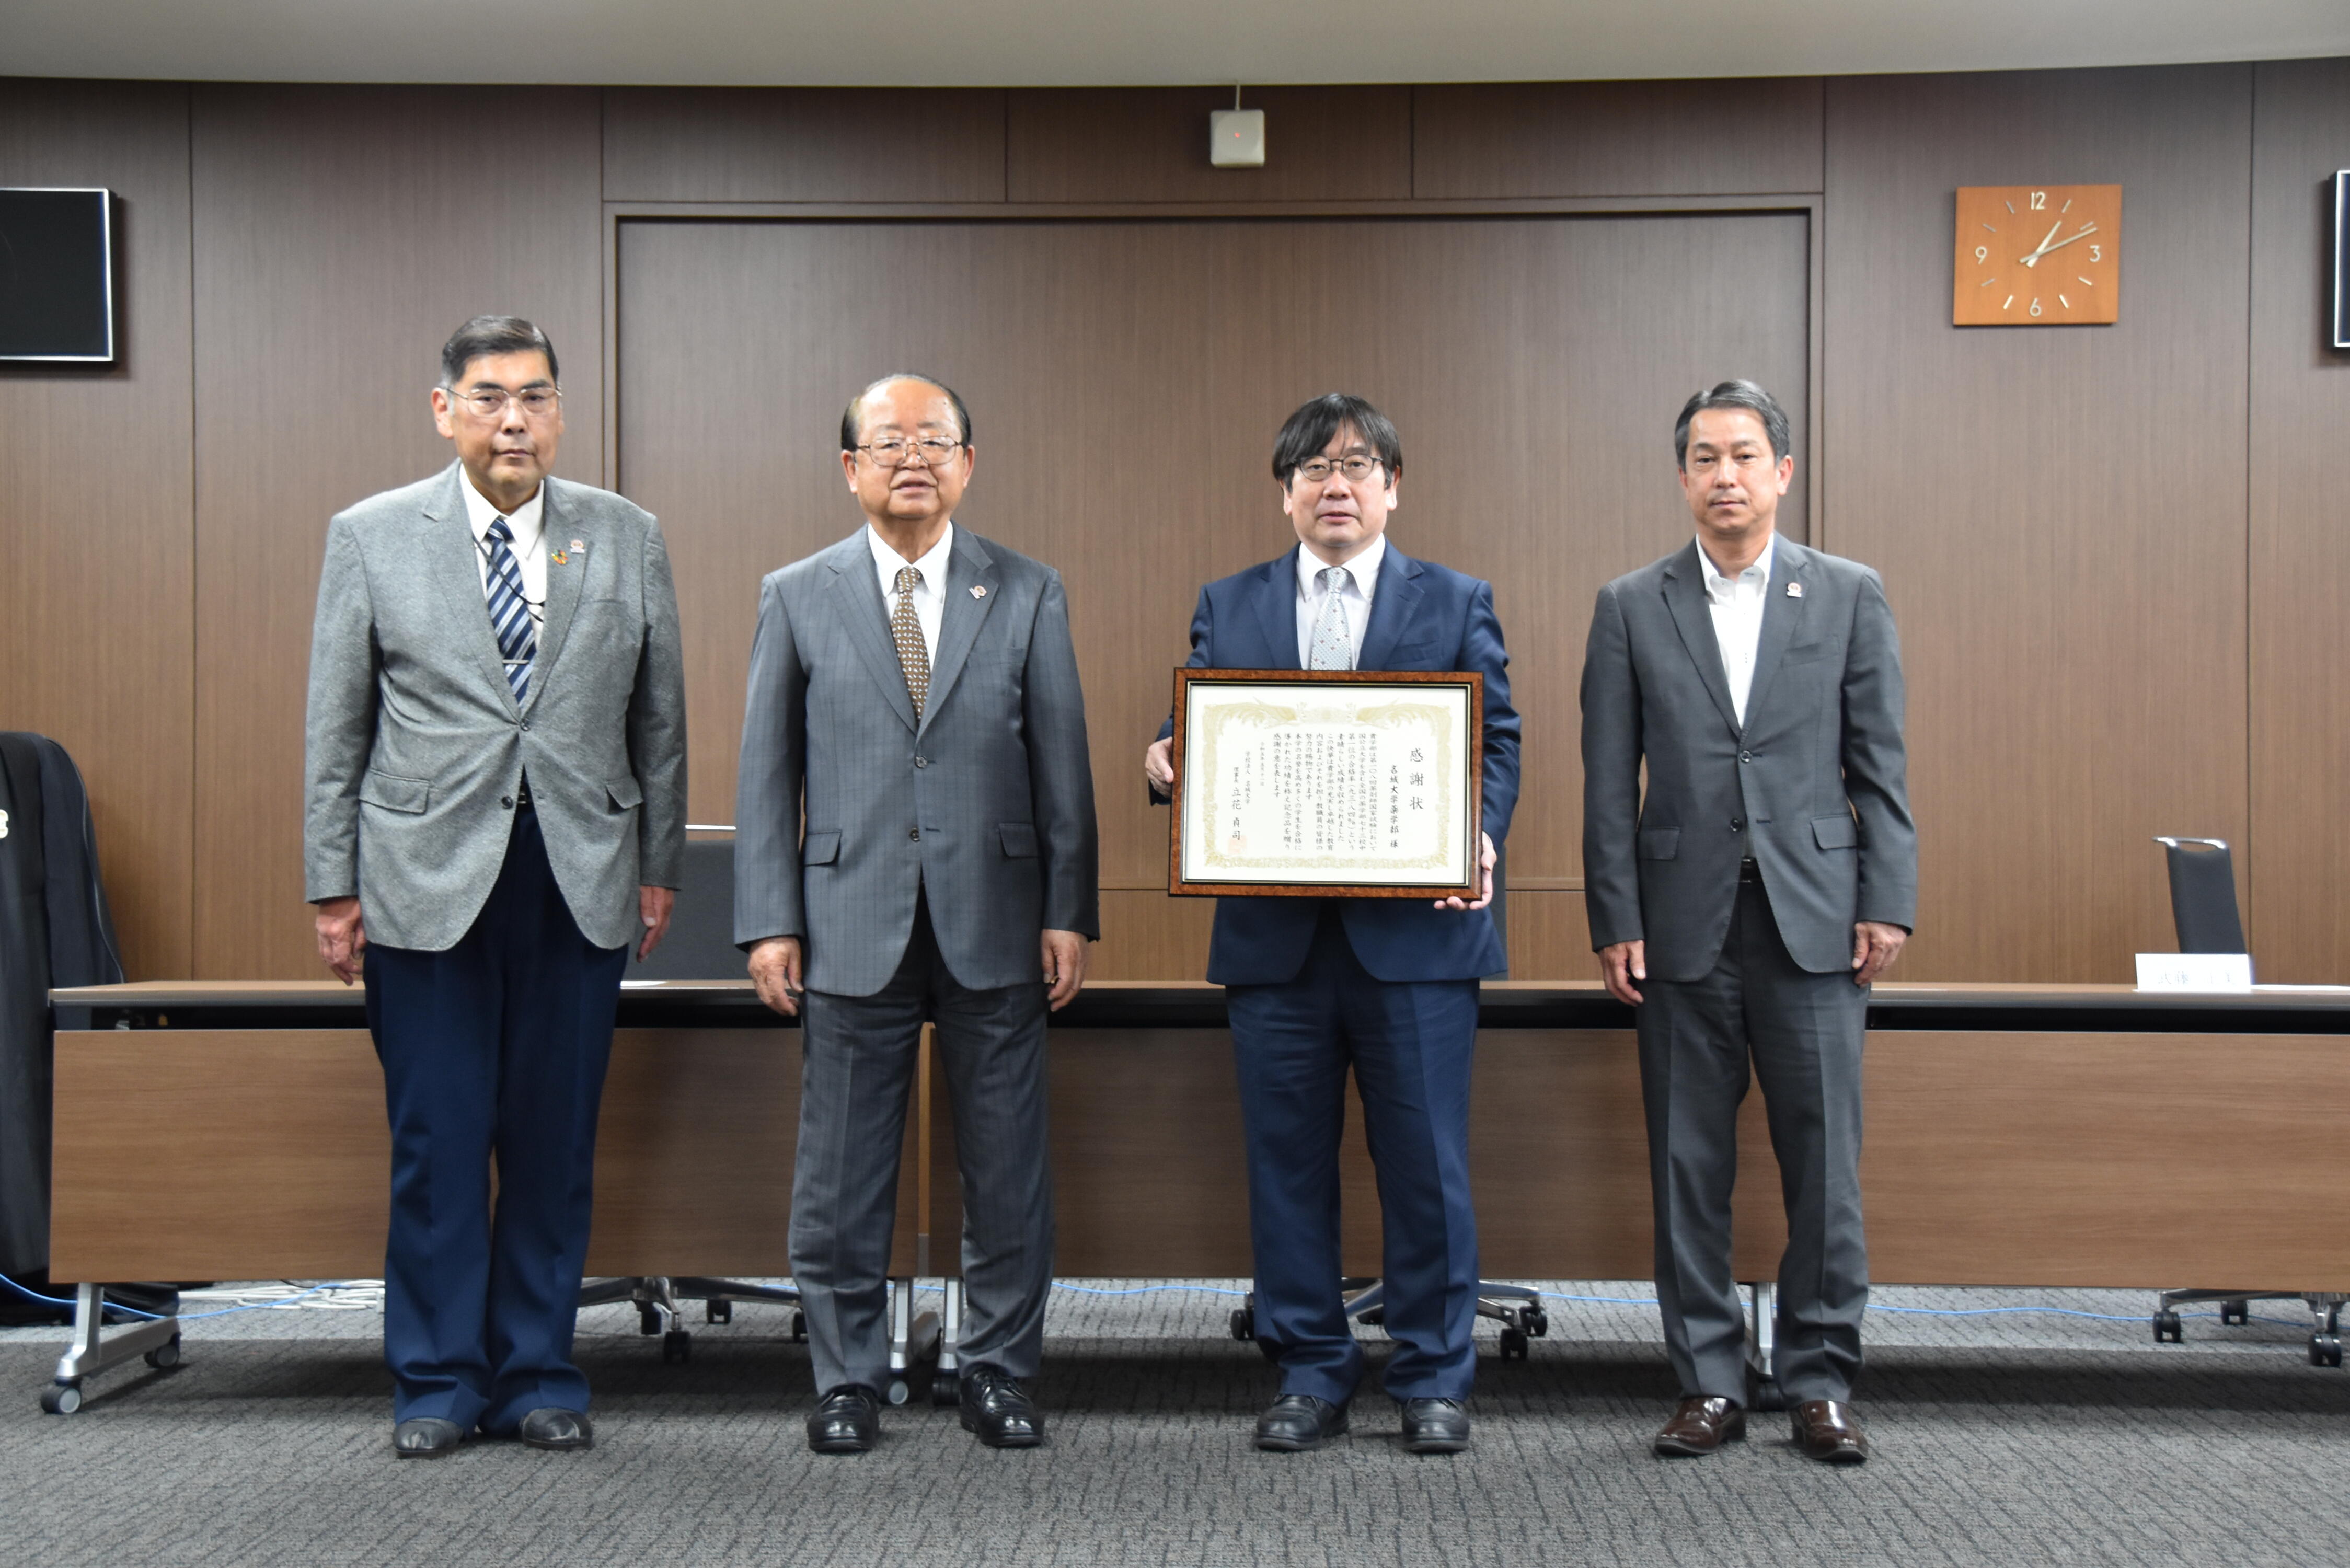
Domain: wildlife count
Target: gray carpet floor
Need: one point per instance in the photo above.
(2018, 1438)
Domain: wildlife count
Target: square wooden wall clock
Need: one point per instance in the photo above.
(2037, 256)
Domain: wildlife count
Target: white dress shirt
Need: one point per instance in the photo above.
(1353, 597)
(930, 596)
(527, 522)
(1737, 609)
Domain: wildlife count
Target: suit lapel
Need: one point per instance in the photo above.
(1781, 617)
(556, 528)
(856, 599)
(1685, 596)
(971, 593)
(1276, 610)
(450, 556)
(1392, 605)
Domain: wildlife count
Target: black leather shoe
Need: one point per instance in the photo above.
(999, 1409)
(1700, 1426)
(1434, 1426)
(553, 1427)
(1830, 1430)
(1298, 1423)
(845, 1422)
(426, 1437)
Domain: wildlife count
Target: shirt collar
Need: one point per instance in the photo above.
(1759, 572)
(932, 565)
(1364, 569)
(480, 512)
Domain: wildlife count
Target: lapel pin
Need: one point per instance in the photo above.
(979, 590)
(1794, 590)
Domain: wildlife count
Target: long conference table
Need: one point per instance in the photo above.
(2017, 1134)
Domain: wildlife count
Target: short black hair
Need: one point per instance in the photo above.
(1733, 395)
(853, 415)
(1306, 432)
(485, 336)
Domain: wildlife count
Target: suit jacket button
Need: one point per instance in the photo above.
(1742, 756)
(1736, 822)
(506, 800)
(913, 833)
(526, 725)
(922, 761)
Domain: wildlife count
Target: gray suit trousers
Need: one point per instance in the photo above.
(1802, 1033)
(860, 1058)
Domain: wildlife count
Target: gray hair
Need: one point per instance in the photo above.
(852, 417)
(487, 336)
(1743, 395)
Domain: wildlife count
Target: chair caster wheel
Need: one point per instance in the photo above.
(1513, 1344)
(1763, 1393)
(1537, 1322)
(677, 1347)
(2235, 1312)
(718, 1312)
(946, 1388)
(62, 1400)
(648, 1322)
(2167, 1329)
(1244, 1323)
(164, 1357)
(2325, 1350)
(898, 1391)
(799, 1327)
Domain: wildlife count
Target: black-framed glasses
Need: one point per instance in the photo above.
(896, 451)
(1355, 469)
(489, 403)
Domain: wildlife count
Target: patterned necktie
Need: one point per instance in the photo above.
(1332, 647)
(509, 611)
(907, 629)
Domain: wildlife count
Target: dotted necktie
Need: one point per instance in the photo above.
(1332, 647)
(907, 629)
(509, 611)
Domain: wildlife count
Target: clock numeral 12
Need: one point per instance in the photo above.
(2040, 201)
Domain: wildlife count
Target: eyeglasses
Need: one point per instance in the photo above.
(1357, 469)
(489, 403)
(894, 452)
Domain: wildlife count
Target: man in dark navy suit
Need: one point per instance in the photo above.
(1386, 986)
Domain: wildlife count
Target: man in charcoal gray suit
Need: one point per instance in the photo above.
(914, 840)
(495, 771)
(1744, 905)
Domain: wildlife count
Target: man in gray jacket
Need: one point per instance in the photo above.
(914, 701)
(1746, 904)
(496, 777)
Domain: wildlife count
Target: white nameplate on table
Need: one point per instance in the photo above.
(2194, 971)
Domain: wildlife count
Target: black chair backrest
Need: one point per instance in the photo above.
(2203, 895)
(700, 940)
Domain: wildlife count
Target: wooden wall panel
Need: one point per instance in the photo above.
(2058, 512)
(1146, 935)
(341, 234)
(1550, 935)
(802, 144)
(97, 522)
(1150, 144)
(1534, 366)
(2297, 915)
(1616, 138)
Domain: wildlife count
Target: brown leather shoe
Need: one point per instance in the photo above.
(1700, 1426)
(1829, 1432)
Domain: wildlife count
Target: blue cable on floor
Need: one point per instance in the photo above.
(181, 1317)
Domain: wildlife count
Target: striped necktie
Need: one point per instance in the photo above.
(509, 611)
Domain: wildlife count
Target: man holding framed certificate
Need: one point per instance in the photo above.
(1326, 805)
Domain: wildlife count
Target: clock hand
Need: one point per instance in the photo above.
(2045, 248)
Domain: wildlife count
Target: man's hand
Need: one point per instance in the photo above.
(776, 972)
(1875, 946)
(1065, 967)
(1159, 765)
(1622, 963)
(653, 907)
(342, 937)
(1485, 860)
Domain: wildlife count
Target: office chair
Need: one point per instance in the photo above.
(2203, 911)
(700, 946)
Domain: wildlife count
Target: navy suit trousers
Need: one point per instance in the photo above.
(1411, 1045)
(495, 1048)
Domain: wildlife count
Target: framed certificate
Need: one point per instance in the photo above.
(1363, 784)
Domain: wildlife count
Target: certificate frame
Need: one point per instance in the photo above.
(1195, 869)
